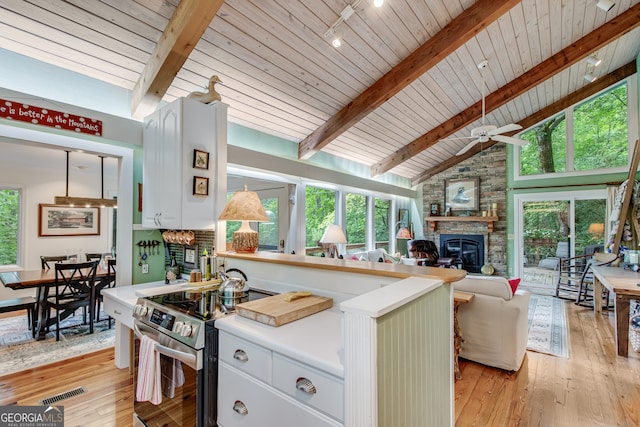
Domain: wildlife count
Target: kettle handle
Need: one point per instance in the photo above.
(244, 276)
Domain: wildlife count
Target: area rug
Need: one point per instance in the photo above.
(548, 330)
(19, 351)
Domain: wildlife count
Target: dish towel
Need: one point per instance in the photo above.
(149, 376)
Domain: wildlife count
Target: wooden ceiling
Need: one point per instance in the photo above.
(405, 77)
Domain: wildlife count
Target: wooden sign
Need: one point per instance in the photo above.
(42, 116)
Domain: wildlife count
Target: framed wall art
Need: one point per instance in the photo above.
(200, 159)
(190, 256)
(200, 186)
(58, 220)
(462, 194)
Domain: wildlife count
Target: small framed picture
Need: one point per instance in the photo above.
(200, 159)
(200, 186)
(190, 257)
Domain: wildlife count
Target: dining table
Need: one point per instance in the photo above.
(625, 285)
(41, 280)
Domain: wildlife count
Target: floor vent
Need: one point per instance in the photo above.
(63, 396)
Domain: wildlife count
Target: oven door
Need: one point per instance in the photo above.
(181, 405)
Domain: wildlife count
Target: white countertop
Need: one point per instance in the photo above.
(315, 340)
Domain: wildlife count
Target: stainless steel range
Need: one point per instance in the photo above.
(182, 324)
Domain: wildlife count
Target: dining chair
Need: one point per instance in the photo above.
(44, 260)
(74, 288)
(93, 256)
(109, 281)
(585, 290)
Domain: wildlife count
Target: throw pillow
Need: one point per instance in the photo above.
(514, 284)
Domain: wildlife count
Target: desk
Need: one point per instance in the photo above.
(624, 284)
(459, 297)
(39, 279)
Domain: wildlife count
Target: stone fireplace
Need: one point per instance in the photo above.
(468, 247)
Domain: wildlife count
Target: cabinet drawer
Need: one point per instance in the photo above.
(323, 391)
(256, 404)
(118, 311)
(247, 357)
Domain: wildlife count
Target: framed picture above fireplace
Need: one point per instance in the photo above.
(462, 194)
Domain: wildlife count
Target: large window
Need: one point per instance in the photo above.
(382, 218)
(320, 211)
(10, 226)
(589, 136)
(356, 214)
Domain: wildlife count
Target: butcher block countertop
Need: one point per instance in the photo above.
(401, 271)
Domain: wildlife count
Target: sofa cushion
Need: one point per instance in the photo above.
(487, 285)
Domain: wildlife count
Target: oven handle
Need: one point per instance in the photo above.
(189, 359)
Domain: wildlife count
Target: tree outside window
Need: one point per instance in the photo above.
(600, 137)
(320, 212)
(356, 214)
(10, 226)
(382, 213)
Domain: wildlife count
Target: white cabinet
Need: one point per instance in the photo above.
(257, 386)
(170, 137)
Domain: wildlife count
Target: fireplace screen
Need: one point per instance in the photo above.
(468, 247)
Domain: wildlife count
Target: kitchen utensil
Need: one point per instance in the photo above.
(233, 290)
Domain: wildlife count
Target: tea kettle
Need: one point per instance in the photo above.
(232, 289)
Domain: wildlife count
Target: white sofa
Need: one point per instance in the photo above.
(494, 325)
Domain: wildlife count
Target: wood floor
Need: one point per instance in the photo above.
(594, 387)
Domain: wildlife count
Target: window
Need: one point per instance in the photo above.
(268, 231)
(356, 214)
(382, 215)
(10, 228)
(320, 212)
(589, 136)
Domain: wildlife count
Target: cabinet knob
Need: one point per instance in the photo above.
(240, 355)
(240, 408)
(305, 385)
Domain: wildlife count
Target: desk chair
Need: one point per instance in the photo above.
(108, 282)
(74, 288)
(44, 260)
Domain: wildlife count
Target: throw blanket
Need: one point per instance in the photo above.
(149, 375)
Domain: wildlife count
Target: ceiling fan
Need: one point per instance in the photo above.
(486, 132)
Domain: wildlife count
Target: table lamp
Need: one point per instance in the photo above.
(332, 235)
(244, 206)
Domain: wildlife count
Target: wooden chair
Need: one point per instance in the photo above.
(74, 288)
(108, 282)
(93, 256)
(585, 290)
(44, 260)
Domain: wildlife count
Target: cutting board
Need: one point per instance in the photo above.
(275, 311)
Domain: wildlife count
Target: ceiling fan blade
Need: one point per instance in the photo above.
(467, 147)
(507, 128)
(457, 139)
(509, 140)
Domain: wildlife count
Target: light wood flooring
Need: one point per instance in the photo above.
(593, 387)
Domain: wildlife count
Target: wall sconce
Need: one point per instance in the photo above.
(332, 235)
(605, 5)
(86, 201)
(244, 206)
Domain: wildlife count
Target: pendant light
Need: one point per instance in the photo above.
(86, 201)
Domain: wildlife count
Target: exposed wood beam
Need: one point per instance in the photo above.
(446, 41)
(185, 28)
(537, 117)
(613, 29)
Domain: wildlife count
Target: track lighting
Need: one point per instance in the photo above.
(590, 77)
(594, 60)
(334, 33)
(605, 5)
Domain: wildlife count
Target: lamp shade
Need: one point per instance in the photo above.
(404, 233)
(244, 206)
(333, 234)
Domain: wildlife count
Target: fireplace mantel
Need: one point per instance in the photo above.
(433, 220)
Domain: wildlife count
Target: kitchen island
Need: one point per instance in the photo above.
(385, 345)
